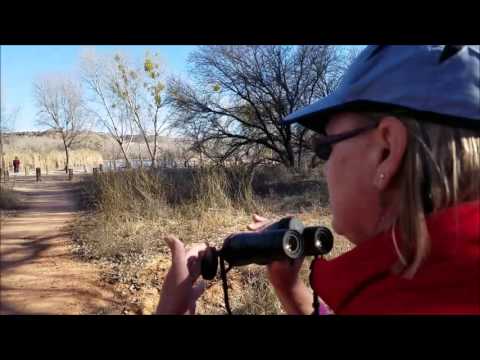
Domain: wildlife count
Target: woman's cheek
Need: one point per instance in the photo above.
(333, 187)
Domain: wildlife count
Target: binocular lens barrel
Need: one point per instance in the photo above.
(292, 244)
(318, 240)
(285, 239)
(209, 264)
(262, 248)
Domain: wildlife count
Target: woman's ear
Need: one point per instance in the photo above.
(391, 136)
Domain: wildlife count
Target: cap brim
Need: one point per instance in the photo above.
(316, 116)
(312, 115)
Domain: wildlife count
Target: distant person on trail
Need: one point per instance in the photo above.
(16, 165)
(401, 143)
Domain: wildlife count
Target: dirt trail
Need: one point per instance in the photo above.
(38, 273)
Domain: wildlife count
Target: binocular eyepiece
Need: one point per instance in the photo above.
(286, 239)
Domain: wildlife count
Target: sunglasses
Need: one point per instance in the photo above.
(322, 144)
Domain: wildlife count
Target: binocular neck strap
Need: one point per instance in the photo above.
(316, 302)
(223, 274)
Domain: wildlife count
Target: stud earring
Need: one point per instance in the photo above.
(380, 179)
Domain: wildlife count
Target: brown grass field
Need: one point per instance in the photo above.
(127, 214)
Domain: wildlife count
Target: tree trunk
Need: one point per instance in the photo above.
(127, 161)
(67, 157)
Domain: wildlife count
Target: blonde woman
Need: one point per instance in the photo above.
(402, 148)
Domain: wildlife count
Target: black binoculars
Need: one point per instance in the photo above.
(286, 239)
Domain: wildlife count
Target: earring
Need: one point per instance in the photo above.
(379, 180)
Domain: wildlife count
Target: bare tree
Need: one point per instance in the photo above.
(61, 108)
(101, 75)
(240, 94)
(140, 90)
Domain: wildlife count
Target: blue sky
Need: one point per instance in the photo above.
(21, 65)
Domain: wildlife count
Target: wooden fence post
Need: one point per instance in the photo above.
(38, 172)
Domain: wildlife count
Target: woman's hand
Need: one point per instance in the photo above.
(180, 290)
(284, 277)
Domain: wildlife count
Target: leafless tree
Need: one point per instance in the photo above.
(140, 89)
(240, 94)
(61, 108)
(101, 75)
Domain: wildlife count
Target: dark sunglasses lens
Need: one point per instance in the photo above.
(323, 151)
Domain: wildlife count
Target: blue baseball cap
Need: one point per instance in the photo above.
(440, 81)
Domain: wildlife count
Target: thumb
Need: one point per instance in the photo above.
(175, 245)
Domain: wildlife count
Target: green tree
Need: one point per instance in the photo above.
(140, 90)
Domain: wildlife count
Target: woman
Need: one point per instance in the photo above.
(402, 153)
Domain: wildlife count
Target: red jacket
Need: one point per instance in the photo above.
(448, 282)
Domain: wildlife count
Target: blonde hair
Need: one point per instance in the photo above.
(450, 159)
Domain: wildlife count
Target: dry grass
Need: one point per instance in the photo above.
(9, 198)
(10, 201)
(133, 210)
(53, 159)
(46, 151)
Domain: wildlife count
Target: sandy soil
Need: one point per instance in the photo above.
(39, 275)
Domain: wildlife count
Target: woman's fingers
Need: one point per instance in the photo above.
(258, 218)
(259, 223)
(199, 289)
(194, 260)
(195, 249)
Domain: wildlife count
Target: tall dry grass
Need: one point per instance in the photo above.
(53, 159)
(133, 210)
(47, 152)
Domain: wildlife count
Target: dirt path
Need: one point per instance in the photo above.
(38, 273)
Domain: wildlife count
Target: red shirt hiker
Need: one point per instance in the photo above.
(16, 165)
